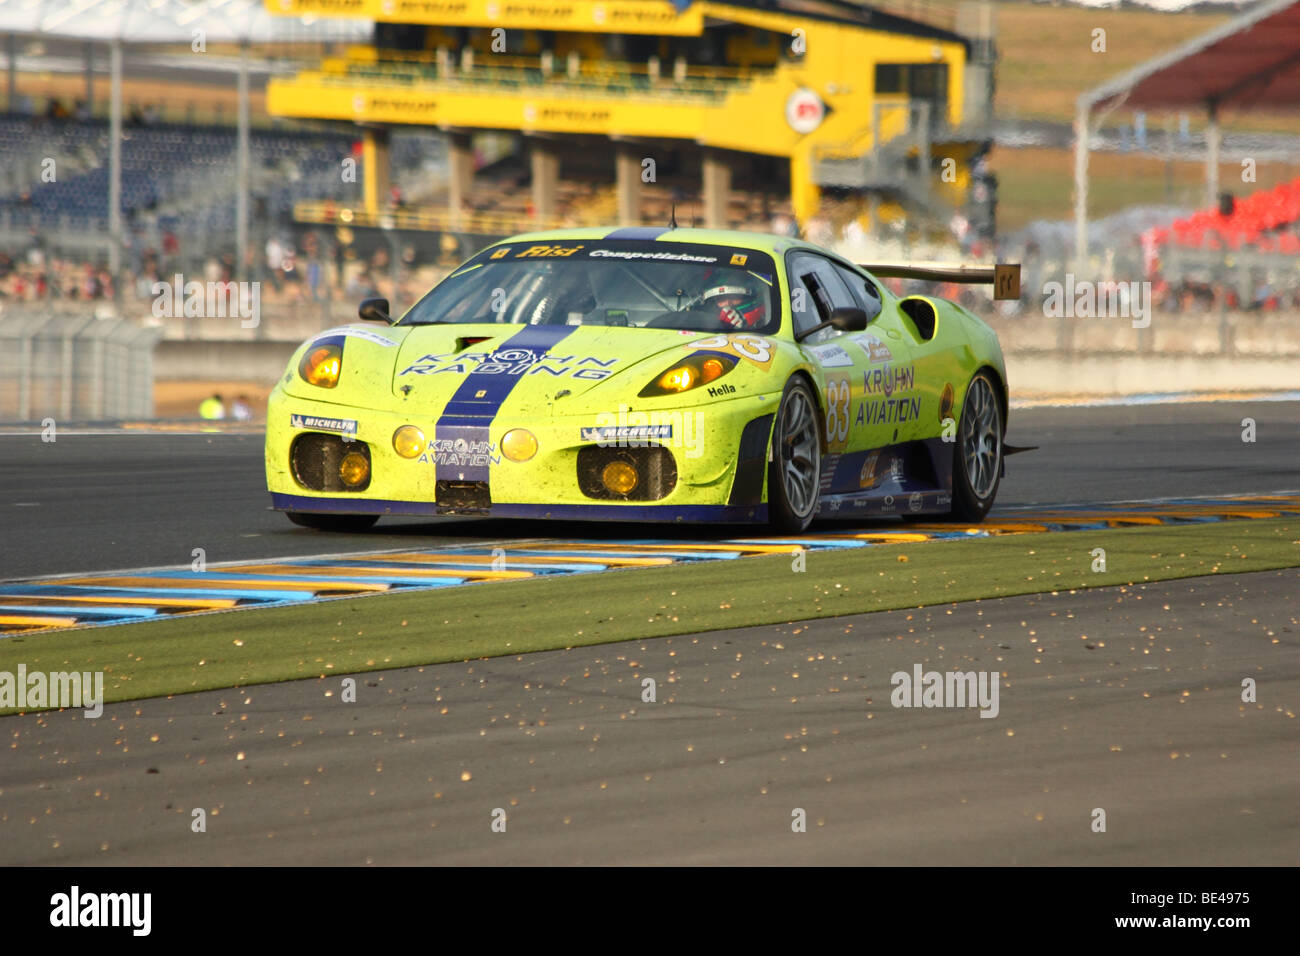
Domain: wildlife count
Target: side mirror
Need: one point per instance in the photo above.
(375, 310)
(846, 320)
(849, 320)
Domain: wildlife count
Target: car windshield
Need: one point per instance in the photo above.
(637, 284)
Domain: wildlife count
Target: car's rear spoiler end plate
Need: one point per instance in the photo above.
(1004, 276)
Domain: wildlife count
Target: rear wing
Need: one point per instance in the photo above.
(1004, 277)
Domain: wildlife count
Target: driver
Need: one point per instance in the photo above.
(736, 302)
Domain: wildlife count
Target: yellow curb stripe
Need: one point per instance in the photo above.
(684, 546)
(37, 599)
(37, 621)
(265, 584)
(376, 571)
(426, 558)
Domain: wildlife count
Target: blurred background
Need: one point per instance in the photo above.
(330, 150)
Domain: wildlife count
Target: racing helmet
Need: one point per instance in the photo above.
(737, 302)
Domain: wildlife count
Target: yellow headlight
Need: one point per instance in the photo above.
(690, 372)
(619, 477)
(519, 444)
(321, 365)
(678, 379)
(712, 368)
(409, 441)
(354, 469)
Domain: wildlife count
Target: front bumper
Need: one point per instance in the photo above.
(719, 450)
(595, 511)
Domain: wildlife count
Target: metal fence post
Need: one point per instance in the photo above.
(65, 387)
(25, 380)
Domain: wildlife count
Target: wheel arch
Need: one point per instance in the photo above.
(1003, 398)
(819, 399)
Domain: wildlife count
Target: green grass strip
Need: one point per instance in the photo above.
(210, 651)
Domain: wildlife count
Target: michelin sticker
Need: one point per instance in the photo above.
(341, 426)
(619, 434)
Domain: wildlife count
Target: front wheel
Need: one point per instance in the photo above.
(794, 475)
(342, 523)
(977, 457)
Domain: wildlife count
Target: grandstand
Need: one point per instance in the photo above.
(178, 203)
(748, 110)
(1249, 248)
(182, 175)
(819, 116)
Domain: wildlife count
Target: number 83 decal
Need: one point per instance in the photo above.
(755, 348)
(838, 404)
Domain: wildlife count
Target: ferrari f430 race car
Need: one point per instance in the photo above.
(663, 375)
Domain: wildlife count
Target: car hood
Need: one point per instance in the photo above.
(533, 366)
(535, 369)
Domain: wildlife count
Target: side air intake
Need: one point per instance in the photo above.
(922, 314)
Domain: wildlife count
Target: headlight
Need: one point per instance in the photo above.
(699, 369)
(321, 365)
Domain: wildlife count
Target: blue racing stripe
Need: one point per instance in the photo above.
(469, 413)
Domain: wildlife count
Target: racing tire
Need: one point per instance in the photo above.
(794, 474)
(342, 523)
(977, 454)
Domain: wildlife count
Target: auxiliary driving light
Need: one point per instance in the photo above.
(354, 469)
(619, 477)
(408, 441)
(519, 444)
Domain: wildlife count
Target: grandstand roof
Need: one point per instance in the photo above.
(170, 21)
(855, 13)
(1252, 60)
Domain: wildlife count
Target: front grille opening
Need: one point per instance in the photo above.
(462, 497)
(314, 460)
(656, 472)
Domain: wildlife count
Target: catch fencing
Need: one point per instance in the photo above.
(75, 368)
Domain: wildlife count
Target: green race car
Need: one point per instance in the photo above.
(645, 374)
